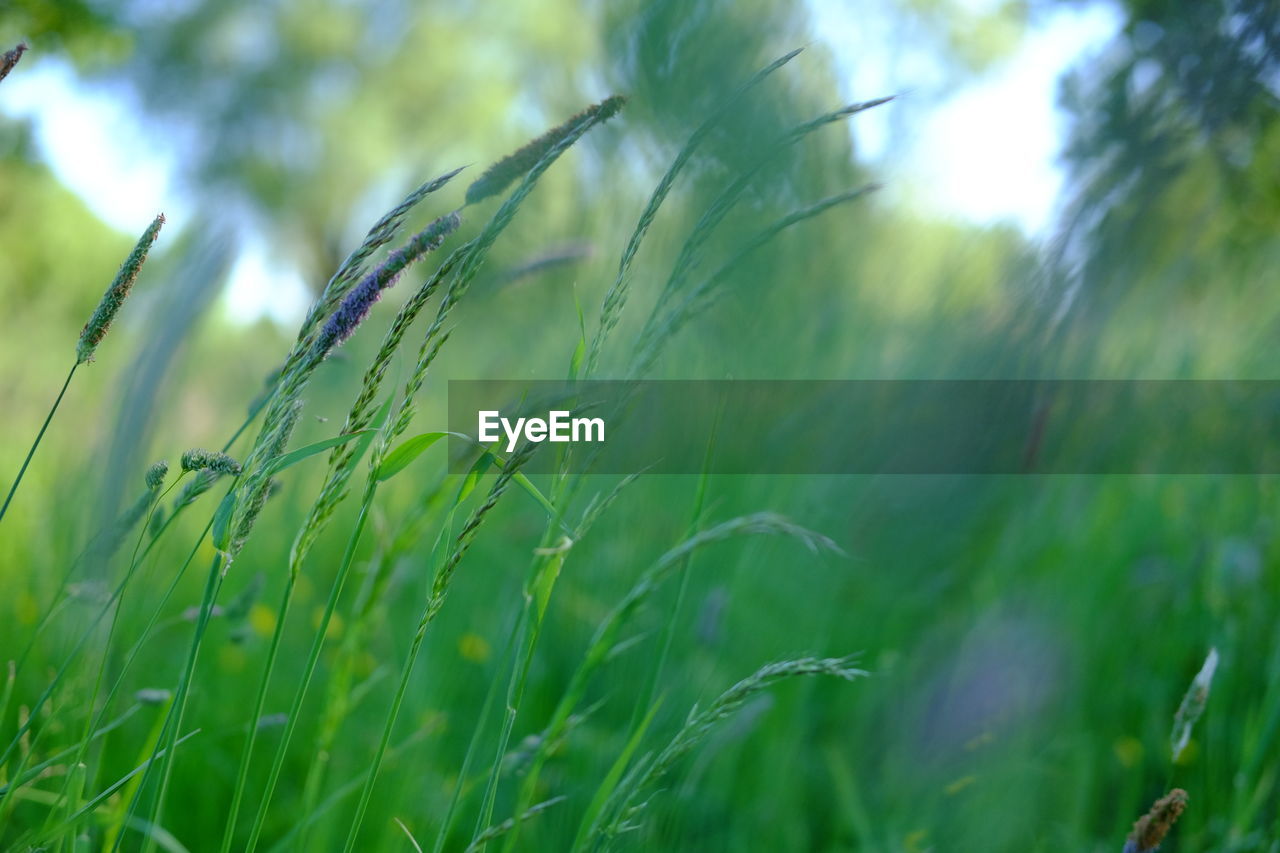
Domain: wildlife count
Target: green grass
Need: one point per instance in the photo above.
(586, 662)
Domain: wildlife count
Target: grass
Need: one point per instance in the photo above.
(450, 663)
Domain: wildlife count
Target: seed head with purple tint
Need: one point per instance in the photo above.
(10, 58)
(343, 322)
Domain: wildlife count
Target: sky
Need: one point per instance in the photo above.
(985, 152)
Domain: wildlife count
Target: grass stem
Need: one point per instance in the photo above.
(35, 444)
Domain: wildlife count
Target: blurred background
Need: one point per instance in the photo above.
(1070, 188)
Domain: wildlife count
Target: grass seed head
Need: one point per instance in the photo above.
(503, 173)
(209, 460)
(259, 485)
(100, 321)
(1150, 829)
(10, 58)
(355, 307)
(195, 487)
(156, 474)
(1192, 706)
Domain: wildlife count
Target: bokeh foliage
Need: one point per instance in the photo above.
(1028, 638)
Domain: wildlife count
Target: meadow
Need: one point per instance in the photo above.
(249, 607)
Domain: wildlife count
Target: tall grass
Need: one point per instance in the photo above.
(95, 329)
(138, 801)
(315, 773)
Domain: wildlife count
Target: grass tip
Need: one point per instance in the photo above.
(1150, 829)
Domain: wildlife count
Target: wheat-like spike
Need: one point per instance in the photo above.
(155, 475)
(360, 415)
(195, 487)
(1150, 829)
(339, 326)
(258, 486)
(725, 202)
(616, 298)
(604, 641)
(470, 258)
(699, 724)
(703, 294)
(353, 267)
(406, 408)
(500, 829)
(690, 252)
(462, 543)
(472, 255)
(117, 292)
(509, 169)
(1192, 706)
(304, 358)
(355, 307)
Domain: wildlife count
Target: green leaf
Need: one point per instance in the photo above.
(595, 811)
(399, 459)
(105, 795)
(526, 484)
(538, 496)
(580, 351)
(473, 477)
(294, 457)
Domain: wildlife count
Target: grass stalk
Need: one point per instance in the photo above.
(607, 634)
(35, 444)
(473, 748)
(616, 298)
(443, 576)
(177, 710)
(313, 658)
(62, 671)
(697, 726)
(94, 716)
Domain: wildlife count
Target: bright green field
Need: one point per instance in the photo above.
(963, 663)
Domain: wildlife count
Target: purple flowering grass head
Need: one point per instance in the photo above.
(342, 322)
(10, 58)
